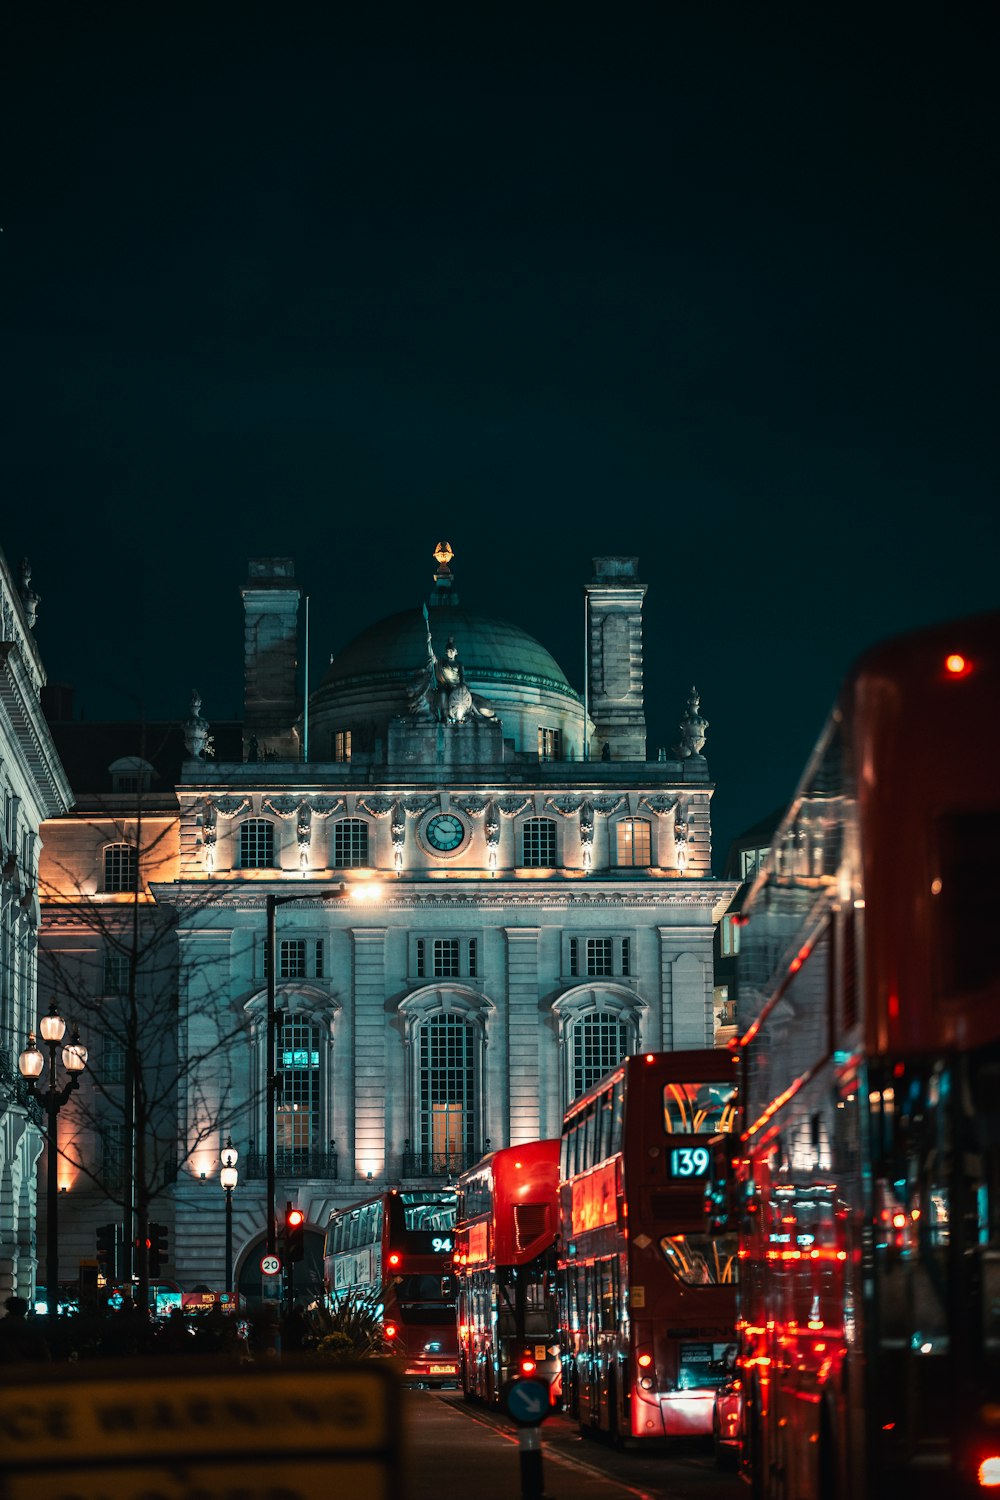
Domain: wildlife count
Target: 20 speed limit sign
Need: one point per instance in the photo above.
(270, 1265)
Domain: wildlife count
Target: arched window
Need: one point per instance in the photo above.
(446, 1032)
(539, 850)
(634, 842)
(119, 867)
(350, 843)
(256, 844)
(298, 1115)
(599, 1025)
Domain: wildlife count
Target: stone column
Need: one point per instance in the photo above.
(522, 1034)
(369, 1052)
(614, 608)
(686, 985)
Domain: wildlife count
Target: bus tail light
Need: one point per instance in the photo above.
(394, 1259)
(645, 1362)
(390, 1330)
(527, 1365)
(988, 1473)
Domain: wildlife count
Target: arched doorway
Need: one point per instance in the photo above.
(254, 1287)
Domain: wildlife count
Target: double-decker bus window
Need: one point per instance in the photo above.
(967, 901)
(700, 1260)
(617, 1112)
(699, 1108)
(604, 1146)
(607, 1300)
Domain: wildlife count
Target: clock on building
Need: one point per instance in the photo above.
(445, 833)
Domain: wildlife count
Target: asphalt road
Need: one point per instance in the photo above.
(457, 1449)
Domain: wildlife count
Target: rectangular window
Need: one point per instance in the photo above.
(600, 958)
(119, 867)
(750, 862)
(342, 745)
(350, 844)
(116, 971)
(292, 958)
(574, 957)
(633, 839)
(539, 843)
(729, 935)
(319, 958)
(112, 1135)
(549, 744)
(421, 959)
(112, 1061)
(626, 957)
(298, 1110)
(473, 970)
(446, 958)
(256, 844)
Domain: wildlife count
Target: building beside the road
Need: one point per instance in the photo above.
(519, 898)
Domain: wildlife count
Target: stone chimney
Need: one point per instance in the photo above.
(614, 611)
(271, 633)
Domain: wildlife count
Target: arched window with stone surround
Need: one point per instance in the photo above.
(446, 1035)
(350, 844)
(119, 867)
(598, 1026)
(304, 1098)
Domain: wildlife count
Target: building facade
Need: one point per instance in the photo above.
(33, 788)
(483, 896)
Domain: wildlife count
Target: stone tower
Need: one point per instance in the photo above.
(614, 644)
(271, 629)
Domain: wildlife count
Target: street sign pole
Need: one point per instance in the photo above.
(526, 1402)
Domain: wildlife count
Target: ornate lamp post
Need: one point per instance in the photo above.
(229, 1177)
(52, 1028)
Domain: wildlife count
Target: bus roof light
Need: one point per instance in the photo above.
(989, 1472)
(957, 665)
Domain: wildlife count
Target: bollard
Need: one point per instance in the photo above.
(529, 1445)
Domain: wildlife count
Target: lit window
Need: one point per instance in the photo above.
(750, 862)
(447, 1102)
(297, 1117)
(342, 745)
(256, 844)
(633, 842)
(599, 1042)
(540, 843)
(549, 744)
(350, 844)
(119, 867)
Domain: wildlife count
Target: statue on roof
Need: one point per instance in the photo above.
(440, 690)
(692, 728)
(29, 598)
(197, 741)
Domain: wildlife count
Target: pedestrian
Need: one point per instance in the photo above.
(21, 1339)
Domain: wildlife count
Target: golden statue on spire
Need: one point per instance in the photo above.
(443, 555)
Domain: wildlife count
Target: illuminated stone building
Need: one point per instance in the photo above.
(525, 898)
(33, 787)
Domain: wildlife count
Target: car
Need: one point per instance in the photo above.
(727, 1421)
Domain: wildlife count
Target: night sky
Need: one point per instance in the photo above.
(715, 285)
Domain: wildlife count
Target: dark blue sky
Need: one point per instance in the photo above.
(714, 285)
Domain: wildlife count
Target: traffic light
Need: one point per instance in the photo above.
(295, 1233)
(157, 1245)
(107, 1249)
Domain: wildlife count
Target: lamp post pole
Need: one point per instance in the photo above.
(31, 1062)
(229, 1178)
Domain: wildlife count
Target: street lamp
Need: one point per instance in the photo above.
(31, 1063)
(273, 902)
(229, 1177)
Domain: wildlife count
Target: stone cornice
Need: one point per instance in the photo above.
(688, 895)
(30, 736)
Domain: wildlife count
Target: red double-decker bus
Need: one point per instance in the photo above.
(396, 1252)
(508, 1215)
(868, 1170)
(647, 1298)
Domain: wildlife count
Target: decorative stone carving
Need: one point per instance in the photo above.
(440, 690)
(378, 807)
(564, 806)
(512, 806)
(587, 834)
(282, 807)
(232, 807)
(197, 740)
(492, 836)
(208, 832)
(415, 806)
(397, 830)
(681, 838)
(474, 806)
(29, 599)
(325, 807)
(607, 806)
(303, 832)
(660, 805)
(692, 728)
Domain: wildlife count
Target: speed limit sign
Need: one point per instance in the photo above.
(270, 1264)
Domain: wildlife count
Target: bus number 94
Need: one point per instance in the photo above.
(441, 1244)
(689, 1161)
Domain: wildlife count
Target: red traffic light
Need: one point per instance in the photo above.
(294, 1217)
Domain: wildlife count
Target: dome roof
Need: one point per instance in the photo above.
(395, 649)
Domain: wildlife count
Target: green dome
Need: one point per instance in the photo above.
(395, 649)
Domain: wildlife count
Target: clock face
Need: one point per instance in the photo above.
(445, 833)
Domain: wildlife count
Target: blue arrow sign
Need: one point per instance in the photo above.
(526, 1402)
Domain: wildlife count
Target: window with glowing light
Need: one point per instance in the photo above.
(297, 1117)
(633, 842)
(342, 745)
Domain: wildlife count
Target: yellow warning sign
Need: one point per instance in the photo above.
(166, 1431)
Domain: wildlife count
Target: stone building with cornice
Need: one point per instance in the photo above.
(519, 898)
(33, 788)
